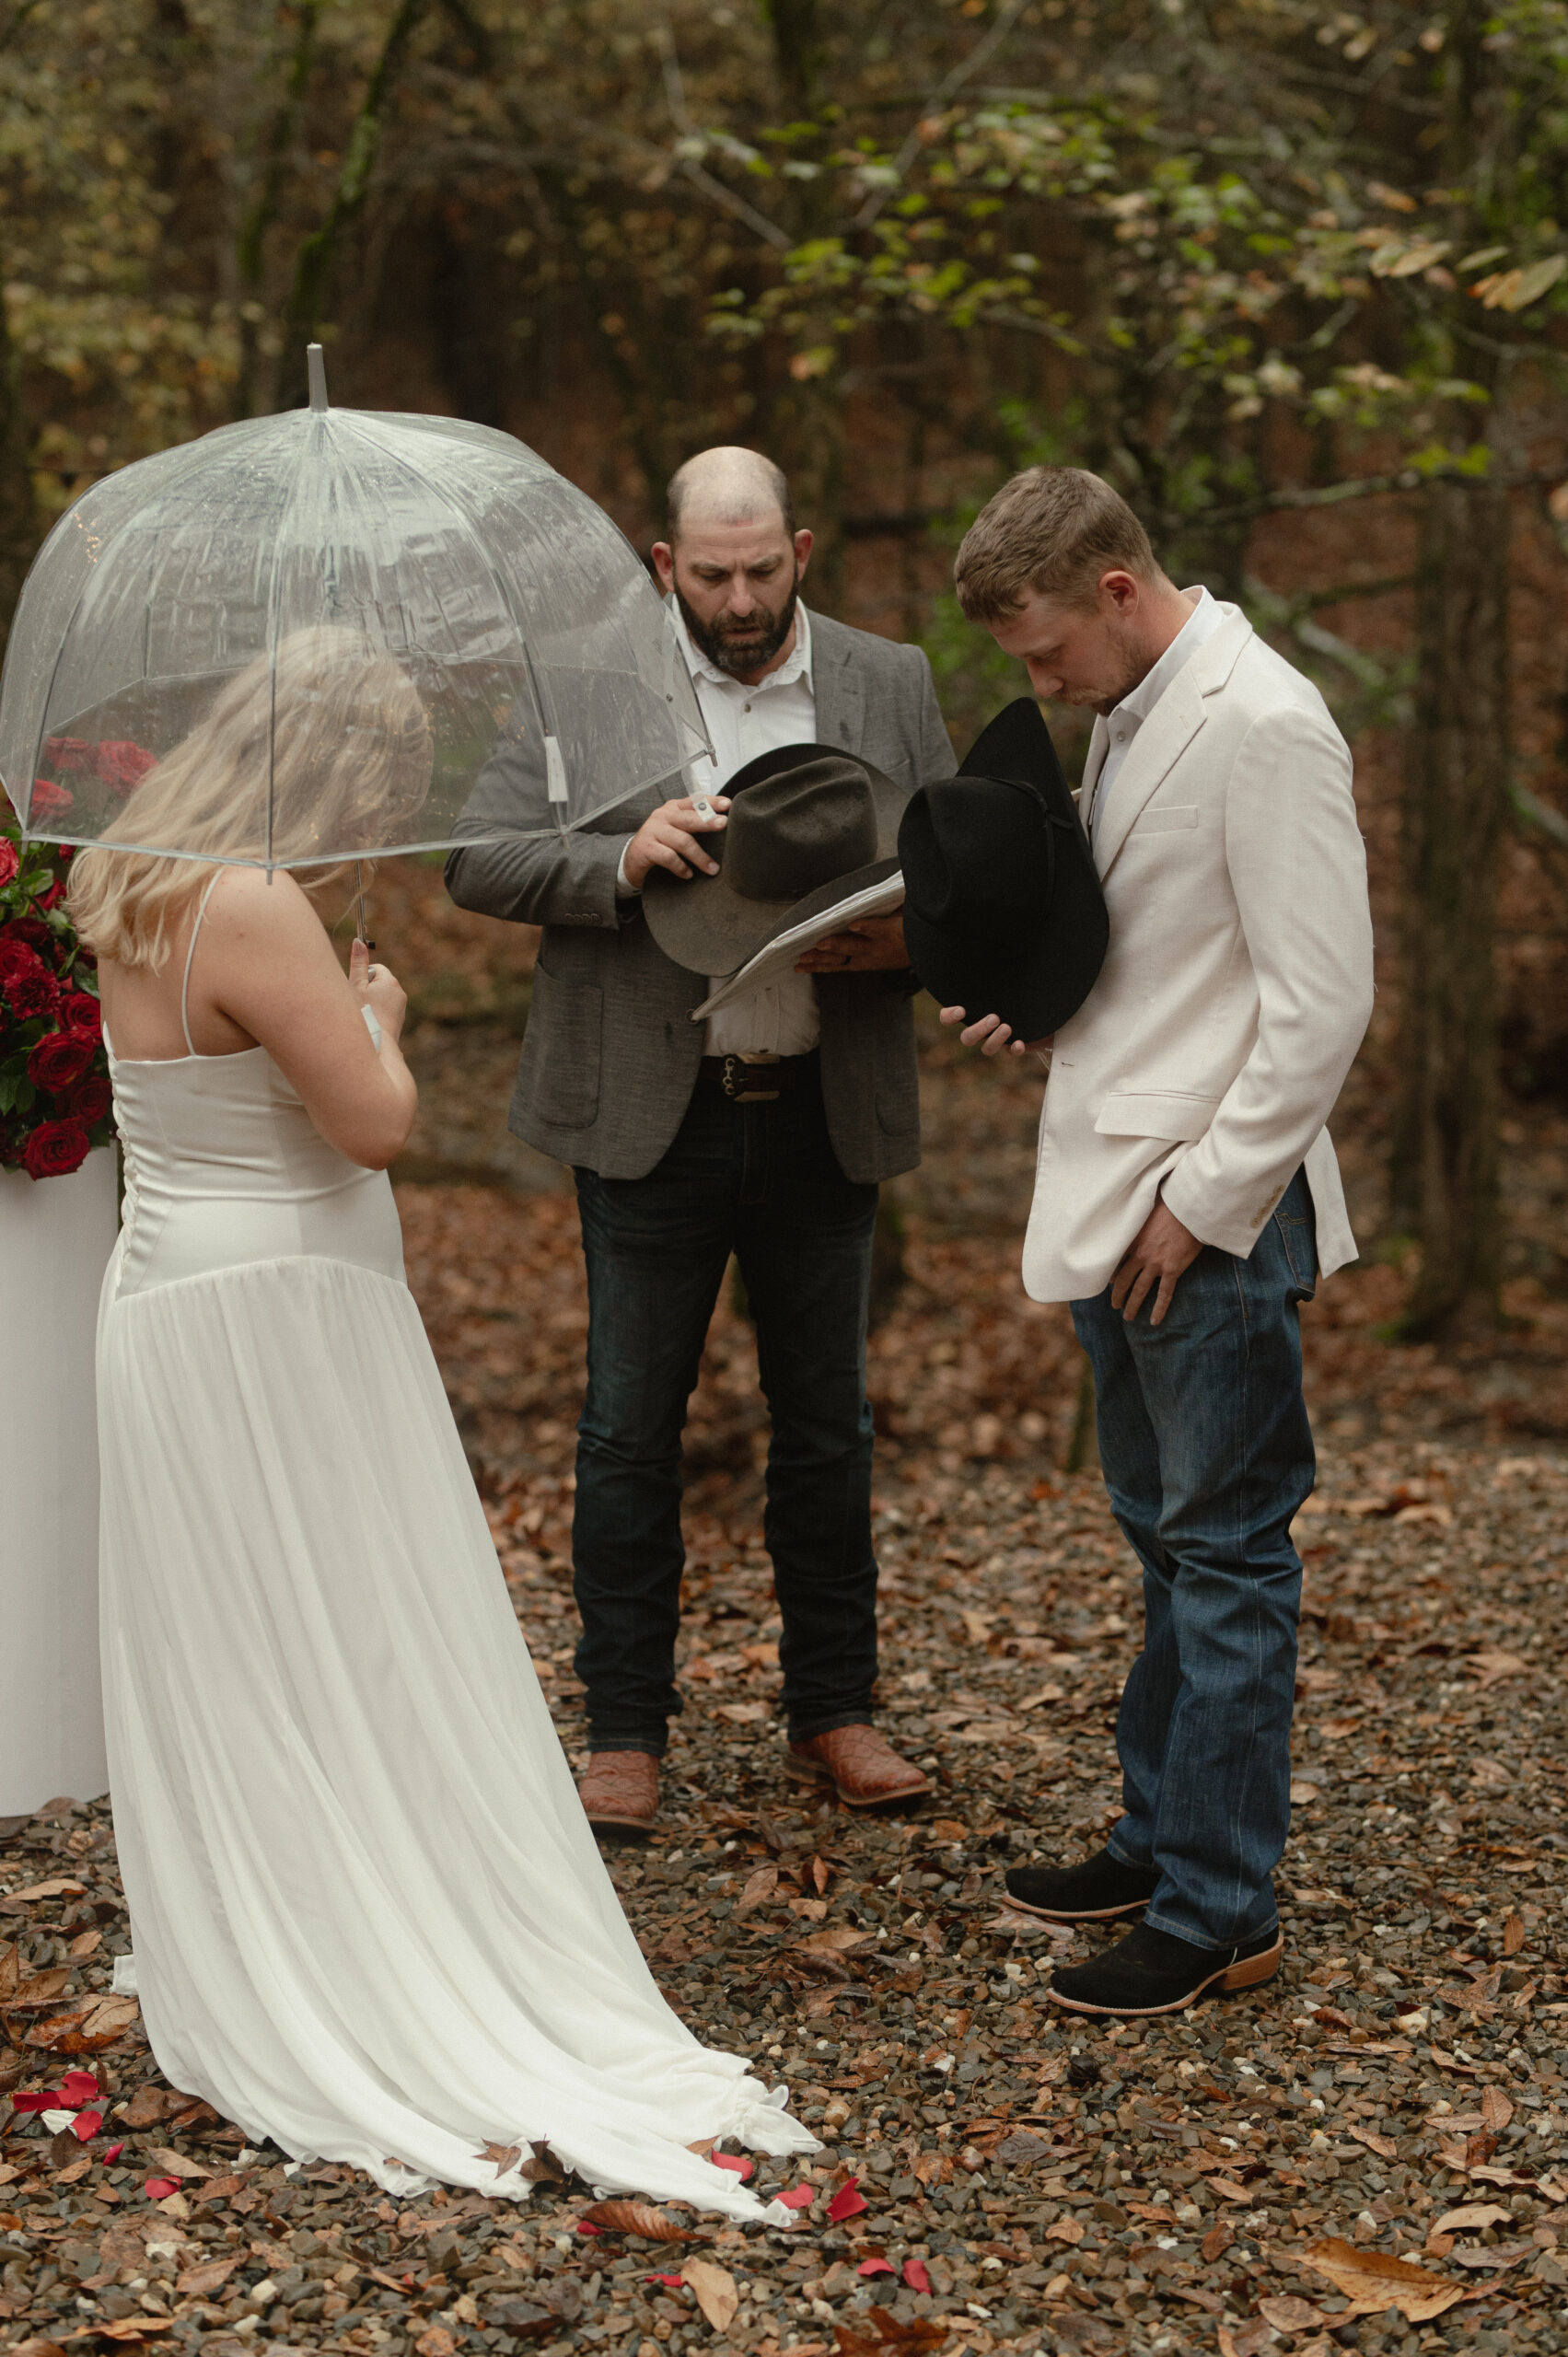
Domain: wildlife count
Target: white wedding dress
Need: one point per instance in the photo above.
(371, 1921)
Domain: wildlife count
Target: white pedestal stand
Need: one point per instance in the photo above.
(55, 1238)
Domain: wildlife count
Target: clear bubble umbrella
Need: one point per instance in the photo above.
(258, 604)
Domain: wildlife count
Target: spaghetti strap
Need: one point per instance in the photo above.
(190, 952)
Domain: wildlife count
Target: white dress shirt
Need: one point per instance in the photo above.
(1114, 732)
(779, 1019)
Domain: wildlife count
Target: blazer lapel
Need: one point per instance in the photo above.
(1164, 736)
(838, 688)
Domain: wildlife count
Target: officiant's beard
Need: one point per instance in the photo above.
(741, 647)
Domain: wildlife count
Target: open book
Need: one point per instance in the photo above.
(779, 954)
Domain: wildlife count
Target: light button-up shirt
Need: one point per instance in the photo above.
(1114, 732)
(781, 1018)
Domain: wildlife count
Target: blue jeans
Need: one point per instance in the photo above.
(762, 1181)
(1208, 1455)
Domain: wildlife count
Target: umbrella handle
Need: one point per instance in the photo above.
(359, 890)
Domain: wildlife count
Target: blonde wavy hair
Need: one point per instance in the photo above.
(341, 731)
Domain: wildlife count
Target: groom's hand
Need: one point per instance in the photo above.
(990, 1035)
(1156, 1257)
(669, 839)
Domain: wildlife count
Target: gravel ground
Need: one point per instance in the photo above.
(1383, 2124)
(1246, 2175)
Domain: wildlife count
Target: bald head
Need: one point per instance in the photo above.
(728, 484)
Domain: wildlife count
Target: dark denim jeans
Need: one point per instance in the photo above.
(1207, 1454)
(760, 1181)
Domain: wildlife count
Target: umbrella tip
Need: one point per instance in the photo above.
(316, 372)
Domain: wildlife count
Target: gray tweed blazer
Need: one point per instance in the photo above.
(610, 1057)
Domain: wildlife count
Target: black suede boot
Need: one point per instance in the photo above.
(1154, 1972)
(1096, 1891)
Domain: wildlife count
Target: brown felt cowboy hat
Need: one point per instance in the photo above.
(809, 827)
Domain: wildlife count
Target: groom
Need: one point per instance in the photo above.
(1186, 1195)
(762, 1133)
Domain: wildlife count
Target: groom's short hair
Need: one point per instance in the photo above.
(1051, 531)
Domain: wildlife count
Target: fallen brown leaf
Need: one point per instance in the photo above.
(1228, 2191)
(1371, 2281)
(1496, 2111)
(714, 2290)
(1291, 2315)
(759, 1885)
(1471, 2217)
(502, 2157)
(835, 1939)
(1374, 2143)
(61, 1887)
(1513, 1934)
(637, 2218)
(1216, 2241)
(42, 1988)
(197, 2281)
(168, 2163)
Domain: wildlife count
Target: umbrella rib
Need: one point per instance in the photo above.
(353, 423)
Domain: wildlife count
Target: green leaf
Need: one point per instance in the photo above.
(1533, 283)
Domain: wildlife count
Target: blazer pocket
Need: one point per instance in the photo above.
(1171, 1114)
(1164, 819)
(566, 1030)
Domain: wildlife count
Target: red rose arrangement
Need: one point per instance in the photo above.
(54, 1093)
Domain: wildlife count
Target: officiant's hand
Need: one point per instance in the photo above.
(990, 1035)
(872, 945)
(377, 988)
(670, 839)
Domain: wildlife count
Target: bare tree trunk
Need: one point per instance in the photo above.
(808, 412)
(319, 250)
(1443, 1174)
(253, 391)
(18, 509)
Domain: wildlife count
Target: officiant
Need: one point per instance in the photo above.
(762, 1131)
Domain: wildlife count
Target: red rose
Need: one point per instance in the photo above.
(55, 1148)
(9, 862)
(48, 799)
(70, 756)
(122, 765)
(80, 1011)
(26, 981)
(61, 1058)
(34, 932)
(89, 1104)
(55, 893)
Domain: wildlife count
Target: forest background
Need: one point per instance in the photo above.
(1294, 277)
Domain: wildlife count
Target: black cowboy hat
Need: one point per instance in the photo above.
(1003, 909)
(809, 825)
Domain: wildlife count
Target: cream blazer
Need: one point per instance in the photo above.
(1236, 988)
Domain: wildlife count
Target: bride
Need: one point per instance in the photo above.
(370, 1920)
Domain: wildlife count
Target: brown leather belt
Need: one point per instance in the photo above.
(758, 1079)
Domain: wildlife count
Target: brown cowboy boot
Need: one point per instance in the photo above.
(860, 1764)
(620, 1791)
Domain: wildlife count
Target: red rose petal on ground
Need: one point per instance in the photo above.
(584, 2227)
(874, 2267)
(916, 2275)
(674, 2282)
(800, 2197)
(86, 2125)
(112, 2155)
(848, 2202)
(743, 2168)
(79, 2087)
(159, 2188)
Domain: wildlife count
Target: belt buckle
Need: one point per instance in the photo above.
(738, 1067)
